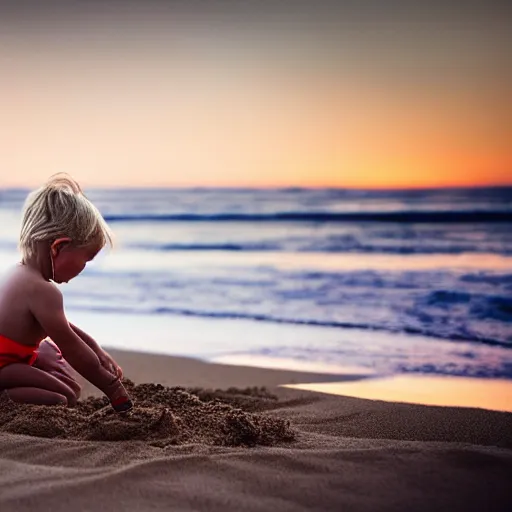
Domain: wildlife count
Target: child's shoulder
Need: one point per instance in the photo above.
(24, 279)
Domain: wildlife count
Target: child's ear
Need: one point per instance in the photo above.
(58, 245)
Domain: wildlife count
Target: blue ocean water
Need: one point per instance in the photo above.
(435, 263)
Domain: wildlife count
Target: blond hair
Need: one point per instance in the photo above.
(60, 209)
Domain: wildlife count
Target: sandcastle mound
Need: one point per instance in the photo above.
(162, 416)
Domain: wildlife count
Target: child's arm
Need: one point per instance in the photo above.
(105, 359)
(86, 338)
(46, 304)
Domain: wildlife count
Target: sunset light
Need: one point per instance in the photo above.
(211, 105)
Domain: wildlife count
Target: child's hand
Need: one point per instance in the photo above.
(109, 364)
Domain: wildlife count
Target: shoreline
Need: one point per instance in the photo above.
(306, 348)
(417, 389)
(194, 372)
(434, 390)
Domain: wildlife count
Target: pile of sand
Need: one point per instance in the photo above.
(162, 416)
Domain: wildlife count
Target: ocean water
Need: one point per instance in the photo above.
(389, 281)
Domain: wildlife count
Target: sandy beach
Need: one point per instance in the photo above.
(346, 453)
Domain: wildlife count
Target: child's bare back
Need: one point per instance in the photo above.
(22, 289)
(61, 232)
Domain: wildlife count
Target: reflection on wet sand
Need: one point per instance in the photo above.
(494, 394)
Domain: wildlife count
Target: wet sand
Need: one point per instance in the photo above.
(194, 444)
(492, 394)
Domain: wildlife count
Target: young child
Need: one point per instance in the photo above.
(61, 231)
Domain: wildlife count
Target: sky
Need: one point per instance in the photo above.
(363, 94)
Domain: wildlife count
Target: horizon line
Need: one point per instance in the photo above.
(269, 187)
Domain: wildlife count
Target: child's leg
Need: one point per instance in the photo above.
(36, 396)
(50, 360)
(27, 384)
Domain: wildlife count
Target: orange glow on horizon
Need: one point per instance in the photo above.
(151, 112)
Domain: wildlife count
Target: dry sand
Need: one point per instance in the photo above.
(276, 449)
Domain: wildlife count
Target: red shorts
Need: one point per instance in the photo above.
(14, 352)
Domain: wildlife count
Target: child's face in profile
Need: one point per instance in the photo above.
(69, 261)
